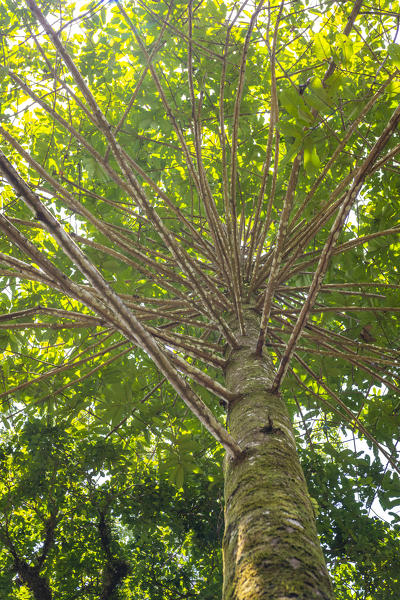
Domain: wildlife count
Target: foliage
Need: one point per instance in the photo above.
(169, 165)
(91, 507)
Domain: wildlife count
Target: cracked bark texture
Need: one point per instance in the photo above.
(271, 547)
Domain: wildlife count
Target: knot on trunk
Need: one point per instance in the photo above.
(269, 427)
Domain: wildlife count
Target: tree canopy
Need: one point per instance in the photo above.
(166, 167)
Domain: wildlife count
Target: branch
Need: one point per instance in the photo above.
(50, 527)
(57, 370)
(183, 259)
(274, 117)
(350, 416)
(122, 317)
(231, 214)
(349, 25)
(206, 194)
(202, 378)
(115, 569)
(330, 243)
(189, 344)
(340, 147)
(156, 47)
(277, 253)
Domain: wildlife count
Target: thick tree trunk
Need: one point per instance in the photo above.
(38, 584)
(271, 547)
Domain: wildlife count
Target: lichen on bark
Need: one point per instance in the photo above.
(271, 547)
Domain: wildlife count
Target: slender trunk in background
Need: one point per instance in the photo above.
(271, 547)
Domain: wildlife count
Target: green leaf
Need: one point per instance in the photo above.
(394, 53)
(179, 476)
(311, 159)
(322, 47)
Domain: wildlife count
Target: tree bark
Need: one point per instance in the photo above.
(38, 584)
(271, 547)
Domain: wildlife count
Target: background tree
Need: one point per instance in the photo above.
(199, 204)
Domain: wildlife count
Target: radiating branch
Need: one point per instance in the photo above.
(132, 185)
(125, 321)
(278, 250)
(348, 413)
(254, 225)
(330, 244)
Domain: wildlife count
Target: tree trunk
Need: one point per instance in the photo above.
(271, 547)
(38, 584)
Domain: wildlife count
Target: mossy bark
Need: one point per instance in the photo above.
(271, 547)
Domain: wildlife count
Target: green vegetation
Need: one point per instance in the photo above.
(200, 240)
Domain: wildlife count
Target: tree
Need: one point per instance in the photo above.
(68, 531)
(200, 206)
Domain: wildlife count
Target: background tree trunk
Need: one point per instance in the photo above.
(271, 547)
